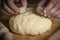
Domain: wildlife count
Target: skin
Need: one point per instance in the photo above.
(10, 8)
(52, 9)
(5, 33)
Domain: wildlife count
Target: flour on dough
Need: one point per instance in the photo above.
(29, 23)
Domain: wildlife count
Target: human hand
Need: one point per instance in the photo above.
(24, 6)
(9, 7)
(52, 9)
(5, 33)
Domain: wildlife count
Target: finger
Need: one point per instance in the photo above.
(8, 9)
(24, 3)
(45, 14)
(54, 10)
(4, 15)
(57, 14)
(13, 6)
(48, 14)
(39, 10)
(4, 12)
(50, 6)
(41, 3)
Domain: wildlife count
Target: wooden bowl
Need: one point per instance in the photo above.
(44, 36)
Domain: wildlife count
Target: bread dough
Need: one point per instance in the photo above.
(22, 9)
(29, 23)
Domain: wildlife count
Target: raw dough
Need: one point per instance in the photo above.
(29, 23)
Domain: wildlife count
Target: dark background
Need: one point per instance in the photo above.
(33, 1)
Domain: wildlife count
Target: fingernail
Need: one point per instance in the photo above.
(17, 10)
(45, 14)
(49, 16)
(45, 11)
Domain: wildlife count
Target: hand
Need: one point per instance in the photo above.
(9, 7)
(5, 33)
(52, 9)
(24, 4)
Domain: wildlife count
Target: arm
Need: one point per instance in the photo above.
(4, 32)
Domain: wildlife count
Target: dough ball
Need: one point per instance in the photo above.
(29, 23)
(22, 9)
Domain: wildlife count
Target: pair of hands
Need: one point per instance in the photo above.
(52, 9)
